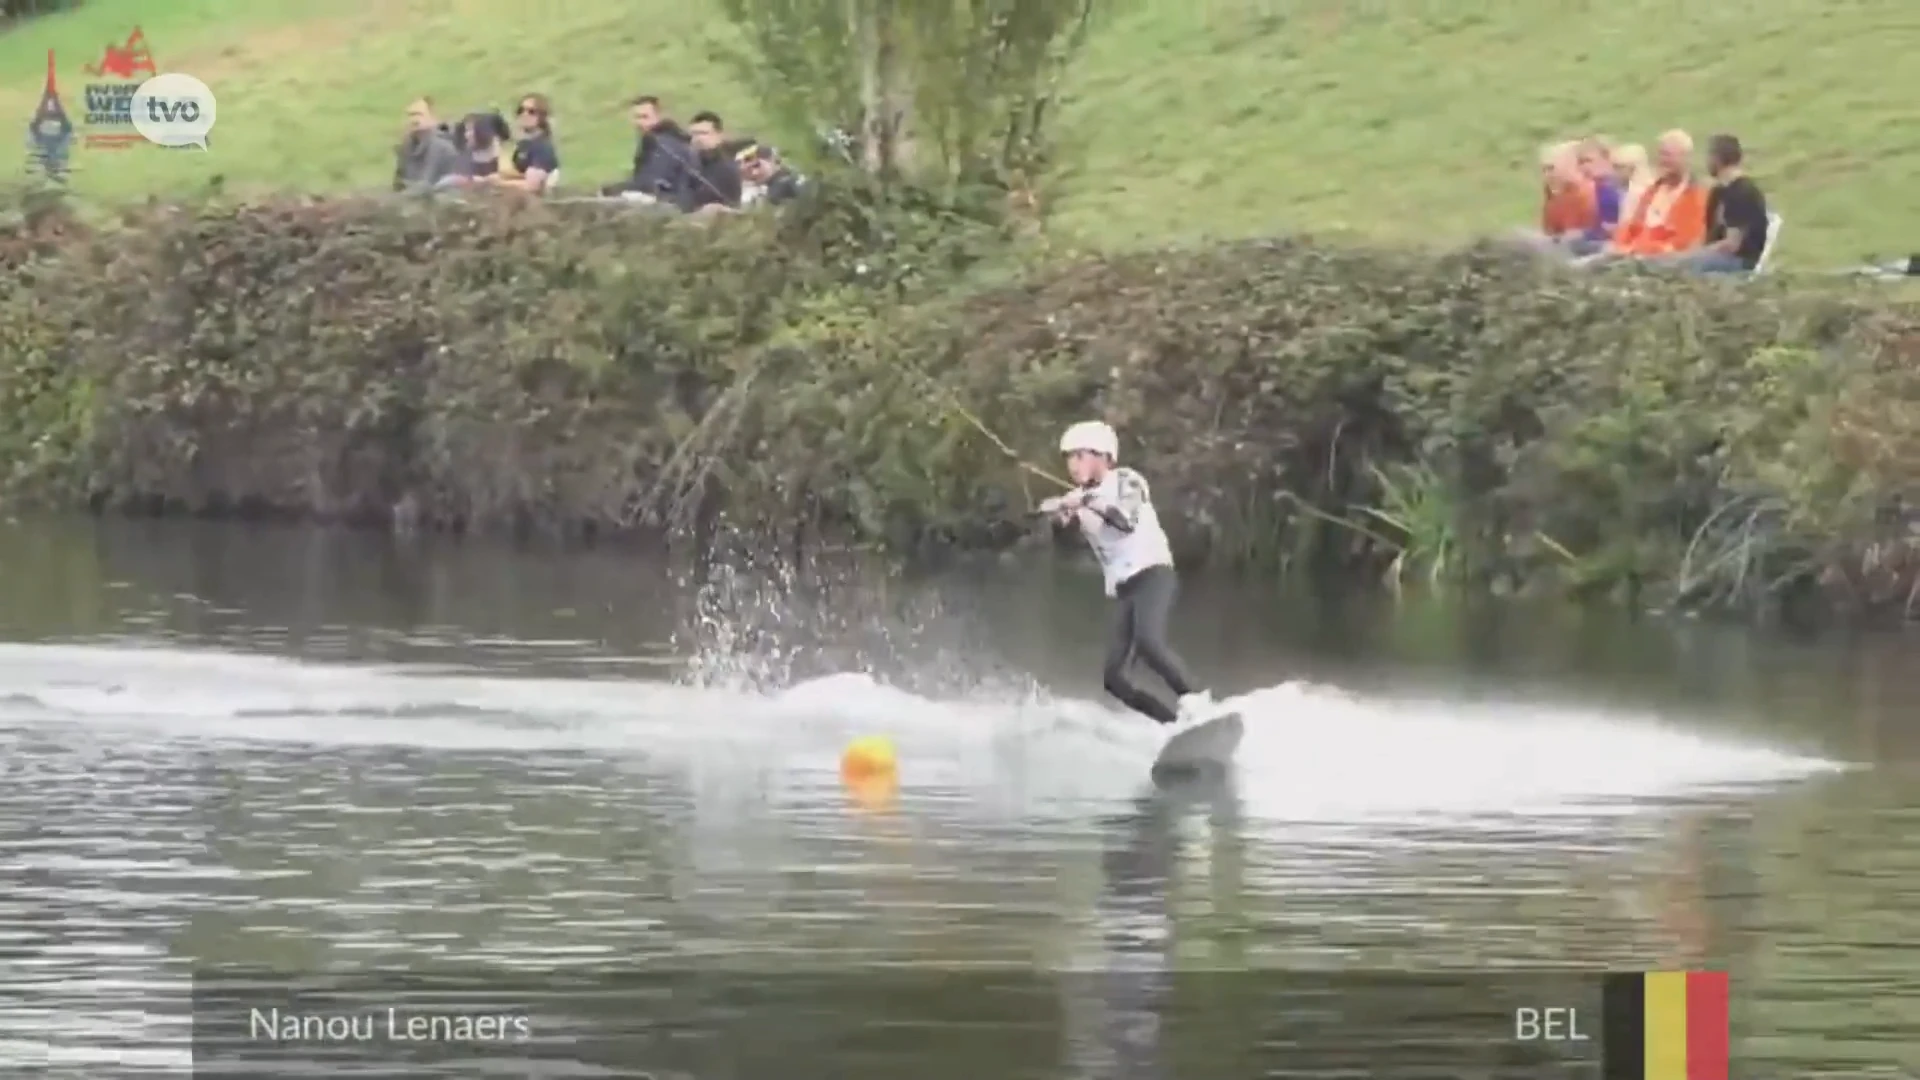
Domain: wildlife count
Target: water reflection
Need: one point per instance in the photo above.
(1140, 1007)
(1130, 977)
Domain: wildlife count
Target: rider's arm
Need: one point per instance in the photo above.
(1130, 495)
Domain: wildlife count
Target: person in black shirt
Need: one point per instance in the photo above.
(663, 158)
(1736, 214)
(480, 137)
(714, 180)
(534, 158)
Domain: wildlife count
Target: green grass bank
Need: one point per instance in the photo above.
(1474, 417)
(1391, 119)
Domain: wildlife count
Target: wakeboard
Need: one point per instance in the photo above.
(1206, 745)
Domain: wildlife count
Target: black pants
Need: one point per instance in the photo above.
(1145, 600)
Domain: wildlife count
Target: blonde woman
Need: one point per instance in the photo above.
(1633, 170)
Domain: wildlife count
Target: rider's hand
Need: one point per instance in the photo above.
(1067, 505)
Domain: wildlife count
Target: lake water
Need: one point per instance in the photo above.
(256, 769)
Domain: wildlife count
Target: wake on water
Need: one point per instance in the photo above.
(1309, 751)
(747, 707)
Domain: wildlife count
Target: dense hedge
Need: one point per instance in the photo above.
(1477, 415)
(12, 11)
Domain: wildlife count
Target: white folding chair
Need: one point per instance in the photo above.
(1774, 221)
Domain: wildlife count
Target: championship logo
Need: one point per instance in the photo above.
(110, 96)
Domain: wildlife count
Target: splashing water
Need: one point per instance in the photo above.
(761, 624)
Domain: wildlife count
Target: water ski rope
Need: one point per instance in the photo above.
(1010, 453)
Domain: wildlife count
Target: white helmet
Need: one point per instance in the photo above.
(1091, 435)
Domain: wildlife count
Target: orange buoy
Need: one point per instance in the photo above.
(868, 759)
(869, 772)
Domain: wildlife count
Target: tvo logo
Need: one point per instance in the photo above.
(173, 110)
(183, 110)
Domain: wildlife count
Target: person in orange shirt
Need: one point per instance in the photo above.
(1670, 216)
(1570, 209)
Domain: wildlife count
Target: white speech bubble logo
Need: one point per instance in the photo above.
(173, 110)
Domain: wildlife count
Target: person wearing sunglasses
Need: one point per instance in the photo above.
(534, 159)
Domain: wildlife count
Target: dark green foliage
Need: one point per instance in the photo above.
(1475, 418)
(12, 11)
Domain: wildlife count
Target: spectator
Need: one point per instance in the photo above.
(534, 159)
(1596, 162)
(1736, 214)
(1670, 216)
(715, 177)
(1568, 212)
(766, 178)
(662, 159)
(427, 156)
(1632, 173)
(481, 136)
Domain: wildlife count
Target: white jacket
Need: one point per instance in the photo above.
(1124, 552)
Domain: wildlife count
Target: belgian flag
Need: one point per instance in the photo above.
(1666, 1025)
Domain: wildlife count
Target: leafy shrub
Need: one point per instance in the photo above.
(12, 11)
(1476, 416)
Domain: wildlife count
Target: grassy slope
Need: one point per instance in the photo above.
(1390, 117)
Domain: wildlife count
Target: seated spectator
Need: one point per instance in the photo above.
(1736, 215)
(662, 159)
(1567, 208)
(1670, 216)
(1632, 173)
(1568, 211)
(1596, 163)
(534, 160)
(504, 168)
(481, 137)
(714, 181)
(427, 157)
(766, 178)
